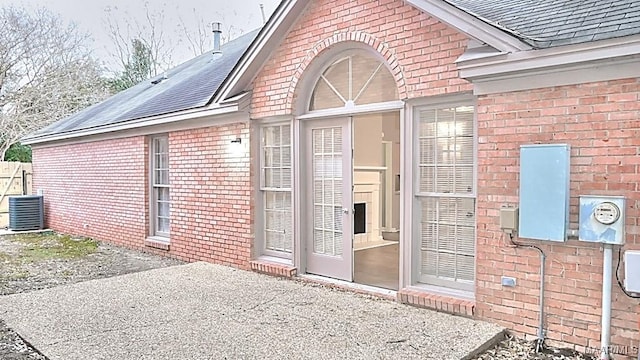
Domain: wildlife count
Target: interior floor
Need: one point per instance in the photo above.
(378, 266)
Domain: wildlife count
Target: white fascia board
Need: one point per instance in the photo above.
(559, 76)
(581, 63)
(113, 129)
(471, 25)
(270, 37)
(535, 59)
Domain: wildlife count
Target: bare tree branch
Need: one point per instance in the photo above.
(46, 72)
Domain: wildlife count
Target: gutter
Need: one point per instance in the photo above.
(134, 124)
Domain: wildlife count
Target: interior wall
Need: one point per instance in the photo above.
(367, 140)
(369, 131)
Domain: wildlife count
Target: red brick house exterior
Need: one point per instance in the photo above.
(584, 94)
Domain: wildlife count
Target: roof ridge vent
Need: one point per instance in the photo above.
(160, 79)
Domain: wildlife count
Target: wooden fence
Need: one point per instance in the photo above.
(15, 179)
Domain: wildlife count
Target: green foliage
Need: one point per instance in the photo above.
(48, 246)
(18, 152)
(138, 68)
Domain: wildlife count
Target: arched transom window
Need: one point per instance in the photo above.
(355, 79)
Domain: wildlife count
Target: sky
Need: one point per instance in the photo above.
(91, 17)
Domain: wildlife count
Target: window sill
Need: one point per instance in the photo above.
(451, 301)
(274, 267)
(157, 243)
(275, 259)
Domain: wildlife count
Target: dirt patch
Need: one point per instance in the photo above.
(512, 348)
(31, 262)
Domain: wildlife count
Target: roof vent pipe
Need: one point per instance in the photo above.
(216, 27)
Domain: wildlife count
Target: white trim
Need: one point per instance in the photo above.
(415, 195)
(267, 41)
(370, 168)
(275, 260)
(159, 239)
(471, 25)
(134, 124)
(154, 234)
(261, 190)
(299, 246)
(192, 123)
(355, 110)
(407, 251)
(566, 65)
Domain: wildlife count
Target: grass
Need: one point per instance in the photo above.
(51, 246)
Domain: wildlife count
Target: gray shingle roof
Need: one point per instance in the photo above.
(550, 23)
(189, 85)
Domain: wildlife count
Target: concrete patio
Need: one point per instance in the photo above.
(205, 311)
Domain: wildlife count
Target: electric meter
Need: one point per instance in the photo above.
(601, 219)
(606, 213)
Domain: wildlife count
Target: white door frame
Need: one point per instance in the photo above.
(338, 267)
(406, 251)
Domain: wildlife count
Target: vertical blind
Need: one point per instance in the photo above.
(446, 195)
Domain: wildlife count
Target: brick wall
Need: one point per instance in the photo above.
(419, 50)
(211, 196)
(601, 122)
(100, 190)
(95, 189)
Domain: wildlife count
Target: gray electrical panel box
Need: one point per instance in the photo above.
(544, 192)
(509, 219)
(632, 271)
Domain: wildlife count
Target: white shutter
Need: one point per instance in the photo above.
(445, 191)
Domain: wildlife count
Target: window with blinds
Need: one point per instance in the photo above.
(275, 185)
(446, 196)
(160, 186)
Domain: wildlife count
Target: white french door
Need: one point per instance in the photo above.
(328, 199)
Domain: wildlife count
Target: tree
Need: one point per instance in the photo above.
(46, 73)
(138, 68)
(144, 47)
(18, 152)
(140, 47)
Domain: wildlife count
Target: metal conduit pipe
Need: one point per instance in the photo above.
(543, 258)
(607, 279)
(540, 341)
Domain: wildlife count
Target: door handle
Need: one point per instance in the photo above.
(345, 210)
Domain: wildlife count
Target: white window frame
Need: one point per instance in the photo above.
(419, 195)
(153, 188)
(264, 191)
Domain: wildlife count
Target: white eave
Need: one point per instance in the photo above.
(267, 41)
(216, 114)
(573, 64)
